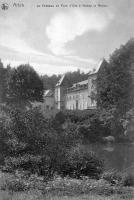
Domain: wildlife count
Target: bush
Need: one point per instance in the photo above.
(103, 188)
(58, 120)
(15, 185)
(118, 178)
(113, 177)
(35, 146)
(31, 128)
(127, 180)
(33, 164)
(80, 162)
(21, 181)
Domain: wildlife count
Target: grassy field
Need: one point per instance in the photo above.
(62, 189)
(36, 195)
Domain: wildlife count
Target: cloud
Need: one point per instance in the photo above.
(84, 60)
(17, 44)
(11, 35)
(65, 27)
(41, 68)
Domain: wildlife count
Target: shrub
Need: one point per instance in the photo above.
(80, 162)
(103, 188)
(31, 163)
(58, 120)
(35, 146)
(72, 186)
(118, 178)
(29, 127)
(113, 177)
(15, 185)
(127, 180)
(79, 115)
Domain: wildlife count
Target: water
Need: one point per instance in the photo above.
(116, 156)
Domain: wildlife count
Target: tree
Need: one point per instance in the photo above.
(24, 85)
(3, 73)
(72, 77)
(116, 81)
(103, 85)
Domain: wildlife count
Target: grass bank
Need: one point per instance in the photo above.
(14, 187)
(32, 195)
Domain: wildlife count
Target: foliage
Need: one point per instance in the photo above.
(93, 132)
(128, 124)
(3, 85)
(32, 144)
(102, 85)
(15, 185)
(80, 162)
(29, 128)
(127, 180)
(49, 82)
(112, 122)
(84, 126)
(24, 85)
(22, 181)
(72, 77)
(58, 120)
(69, 186)
(116, 81)
(118, 178)
(73, 186)
(79, 116)
(25, 138)
(25, 187)
(31, 163)
(4, 131)
(90, 126)
(113, 177)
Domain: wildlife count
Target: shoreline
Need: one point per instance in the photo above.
(61, 189)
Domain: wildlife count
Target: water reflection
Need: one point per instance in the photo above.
(116, 156)
(108, 148)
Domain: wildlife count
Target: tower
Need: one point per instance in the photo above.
(60, 92)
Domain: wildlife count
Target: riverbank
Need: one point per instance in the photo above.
(48, 159)
(14, 187)
(34, 195)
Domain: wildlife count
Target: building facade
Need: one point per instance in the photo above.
(49, 101)
(60, 93)
(79, 96)
(76, 97)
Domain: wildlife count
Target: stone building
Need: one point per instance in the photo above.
(80, 96)
(49, 101)
(76, 97)
(60, 93)
(92, 86)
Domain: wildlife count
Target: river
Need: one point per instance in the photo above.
(116, 156)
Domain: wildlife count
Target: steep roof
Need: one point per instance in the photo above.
(61, 80)
(80, 83)
(97, 66)
(48, 93)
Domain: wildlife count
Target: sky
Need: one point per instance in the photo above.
(55, 40)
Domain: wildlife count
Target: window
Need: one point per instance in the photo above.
(92, 102)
